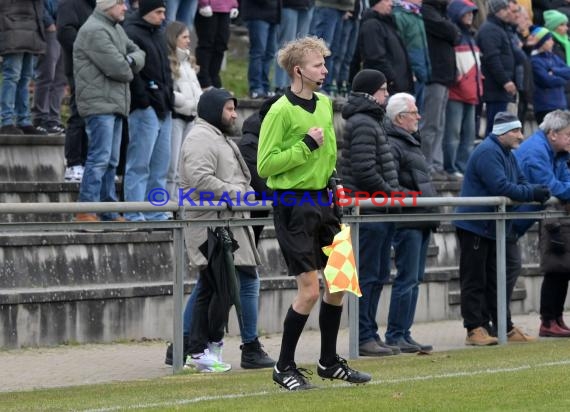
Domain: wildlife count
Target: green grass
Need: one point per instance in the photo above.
(528, 377)
(234, 76)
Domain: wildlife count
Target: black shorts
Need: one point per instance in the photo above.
(303, 227)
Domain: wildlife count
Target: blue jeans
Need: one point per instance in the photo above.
(294, 24)
(459, 135)
(375, 242)
(249, 296)
(327, 25)
(410, 247)
(17, 70)
(492, 108)
(262, 48)
(104, 133)
(347, 46)
(432, 124)
(148, 158)
(50, 83)
(181, 10)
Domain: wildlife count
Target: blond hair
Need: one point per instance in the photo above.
(293, 53)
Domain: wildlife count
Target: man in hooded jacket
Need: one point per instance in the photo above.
(210, 163)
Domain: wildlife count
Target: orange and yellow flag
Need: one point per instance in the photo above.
(340, 272)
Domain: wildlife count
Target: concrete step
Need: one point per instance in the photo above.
(37, 192)
(73, 259)
(31, 158)
(519, 294)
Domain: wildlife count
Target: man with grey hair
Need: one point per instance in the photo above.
(411, 239)
(104, 62)
(543, 159)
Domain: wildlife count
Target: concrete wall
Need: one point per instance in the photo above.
(78, 287)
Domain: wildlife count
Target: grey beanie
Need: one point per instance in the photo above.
(504, 122)
(106, 4)
(497, 5)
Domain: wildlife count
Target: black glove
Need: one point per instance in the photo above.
(540, 194)
(556, 242)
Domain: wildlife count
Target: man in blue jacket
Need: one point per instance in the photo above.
(492, 170)
(543, 159)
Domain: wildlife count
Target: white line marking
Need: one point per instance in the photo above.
(374, 382)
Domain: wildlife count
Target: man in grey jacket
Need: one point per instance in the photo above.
(212, 167)
(104, 61)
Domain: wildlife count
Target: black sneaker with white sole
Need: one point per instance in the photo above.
(293, 378)
(340, 370)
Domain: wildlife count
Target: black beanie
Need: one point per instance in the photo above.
(146, 6)
(368, 81)
(211, 105)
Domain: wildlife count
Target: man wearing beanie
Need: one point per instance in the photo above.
(551, 75)
(498, 60)
(150, 120)
(492, 170)
(367, 165)
(211, 163)
(105, 60)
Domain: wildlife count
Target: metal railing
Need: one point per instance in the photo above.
(178, 224)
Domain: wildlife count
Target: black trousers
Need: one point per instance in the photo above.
(75, 134)
(213, 37)
(478, 279)
(553, 295)
(208, 320)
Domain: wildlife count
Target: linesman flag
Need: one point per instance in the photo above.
(340, 272)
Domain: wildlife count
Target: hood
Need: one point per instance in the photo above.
(398, 133)
(211, 105)
(251, 125)
(362, 103)
(135, 19)
(439, 5)
(458, 8)
(373, 14)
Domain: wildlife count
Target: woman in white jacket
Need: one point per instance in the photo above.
(187, 92)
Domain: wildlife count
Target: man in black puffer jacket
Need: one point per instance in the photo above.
(150, 120)
(411, 239)
(368, 165)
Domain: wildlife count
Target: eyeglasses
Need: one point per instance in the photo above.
(414, 113)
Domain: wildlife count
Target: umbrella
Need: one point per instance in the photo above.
(221, 272)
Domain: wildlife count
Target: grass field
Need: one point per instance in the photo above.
(528, 377)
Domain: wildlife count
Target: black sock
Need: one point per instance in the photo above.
(329, 322)
(292, 328)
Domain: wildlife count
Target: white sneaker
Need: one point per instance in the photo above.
(73, 173)
(207, 362)
(215, 349)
